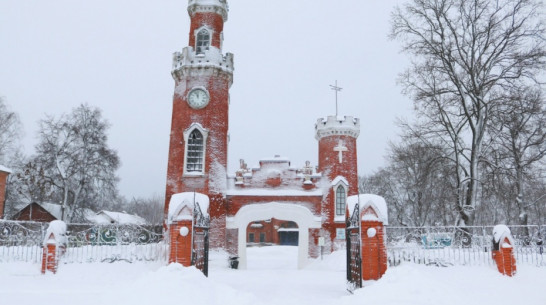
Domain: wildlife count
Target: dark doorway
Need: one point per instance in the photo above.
(289, 238)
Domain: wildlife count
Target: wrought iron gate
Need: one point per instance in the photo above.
(200, 247)
(354, 257)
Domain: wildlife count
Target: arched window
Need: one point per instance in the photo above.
(202, 42)
(341, 199)
(194, 160)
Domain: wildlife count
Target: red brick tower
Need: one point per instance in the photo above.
(337, 163)
(199, 128)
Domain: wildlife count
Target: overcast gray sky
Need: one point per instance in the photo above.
(116, 55)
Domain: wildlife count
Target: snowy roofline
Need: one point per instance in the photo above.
(181, 206)
(58, 229)
(272, 192)
(377, 203)
(333, 125)
(500, 232)
(221, 7)
(123, 217)
(5, 169)
(339, 179)
(275, 159)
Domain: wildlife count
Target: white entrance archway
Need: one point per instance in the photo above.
(302, 216)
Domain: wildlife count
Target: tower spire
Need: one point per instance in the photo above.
(336, 89)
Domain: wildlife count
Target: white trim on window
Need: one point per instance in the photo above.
(204, 133)
(200, 45)
(340, 185)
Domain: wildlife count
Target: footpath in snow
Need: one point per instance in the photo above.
(271, 278)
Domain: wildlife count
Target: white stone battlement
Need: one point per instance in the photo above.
(337, 125)
(206, 6)
(212, 58)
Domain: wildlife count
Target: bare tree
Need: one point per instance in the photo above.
(518, 136)
(466, 55)
(416, 183)
(149, 208)
(10, 133)
(76, 160)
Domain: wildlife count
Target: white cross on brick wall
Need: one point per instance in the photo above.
(340, 148)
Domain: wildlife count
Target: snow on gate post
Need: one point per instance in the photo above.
(503, 250)
(180, 221)
(54, 246)
(373, 217)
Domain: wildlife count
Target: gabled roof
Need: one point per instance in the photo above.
(51, 208)
(107, 217)
(5, 169)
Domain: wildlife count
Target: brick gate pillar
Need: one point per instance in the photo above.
(54, 246)
(373, 218)
(180, 237)
(503, 250)
(180, 222)
(374, 252)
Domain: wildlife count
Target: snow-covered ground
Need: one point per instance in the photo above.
(271, 278)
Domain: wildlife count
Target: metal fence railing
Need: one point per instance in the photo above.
(446, 246)
(22, 241)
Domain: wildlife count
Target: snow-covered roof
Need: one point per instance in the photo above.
(55, 233)
(288, 230)
(377, 203)
(107, 217)
(275, 159)
(182, 204)
(5, 169)
(500, 232)
(52, 208)
(273, 192)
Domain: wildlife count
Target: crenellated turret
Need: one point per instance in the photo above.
(188, 60)
(219, 7)
(335, 126)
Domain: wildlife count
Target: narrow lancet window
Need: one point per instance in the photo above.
(194, 161)
(202, 42)
(340, 200)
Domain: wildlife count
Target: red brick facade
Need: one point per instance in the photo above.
(275, 180)
(3, 180)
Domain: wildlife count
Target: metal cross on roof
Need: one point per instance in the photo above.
(336, 89)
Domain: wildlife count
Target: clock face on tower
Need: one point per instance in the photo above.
(198, 98)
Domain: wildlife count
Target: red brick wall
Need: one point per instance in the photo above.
(329, 160)
(214, 118)
(329, 164)
(314, 248)
(3, 179)
(180, 246)
(212, 20)
(374, 253)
